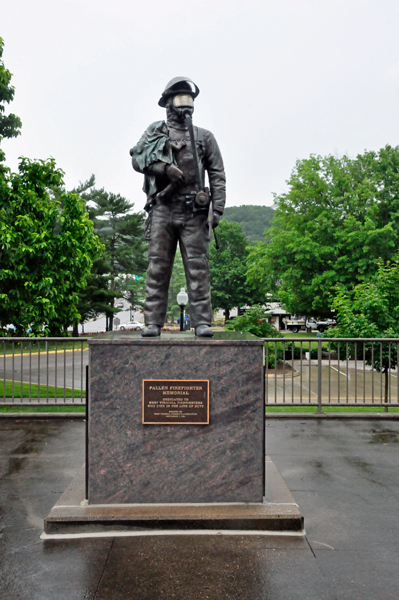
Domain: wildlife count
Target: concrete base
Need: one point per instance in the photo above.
(72, 517)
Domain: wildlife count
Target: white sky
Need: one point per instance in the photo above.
(279, 80)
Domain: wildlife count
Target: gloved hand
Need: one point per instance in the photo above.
(215, 220)
(174, 174)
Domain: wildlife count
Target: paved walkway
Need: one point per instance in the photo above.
(344, 476)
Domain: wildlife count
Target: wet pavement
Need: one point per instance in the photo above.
(343, 474)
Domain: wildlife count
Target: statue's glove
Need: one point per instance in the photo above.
(215, 219)
(174, 174)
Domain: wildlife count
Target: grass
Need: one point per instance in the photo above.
(305, 345)
(34, 391)
(43, 409)
(330, 409)
(9, 347)
(300, 334)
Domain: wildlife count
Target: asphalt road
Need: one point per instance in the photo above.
(341, 382)
(53, 368)
(342, 474)
(98, 325)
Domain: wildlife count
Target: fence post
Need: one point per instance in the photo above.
(319, 375)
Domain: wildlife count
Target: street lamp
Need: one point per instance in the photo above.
(182, 300)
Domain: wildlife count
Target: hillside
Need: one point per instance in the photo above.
(253, 219)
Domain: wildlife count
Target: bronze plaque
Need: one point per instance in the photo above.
(175, 402)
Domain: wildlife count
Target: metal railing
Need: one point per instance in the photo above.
(40, 371)
(332, 371)
(298, 371)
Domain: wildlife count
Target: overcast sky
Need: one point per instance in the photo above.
(279, 80)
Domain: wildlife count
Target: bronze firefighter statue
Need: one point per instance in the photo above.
(174, 155)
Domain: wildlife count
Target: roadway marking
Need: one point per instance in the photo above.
(43, 353)
(338, 371)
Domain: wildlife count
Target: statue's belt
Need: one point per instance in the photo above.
(185, 199)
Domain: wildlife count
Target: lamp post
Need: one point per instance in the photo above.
(182, 300)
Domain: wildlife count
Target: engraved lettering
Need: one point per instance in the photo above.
(175, 402)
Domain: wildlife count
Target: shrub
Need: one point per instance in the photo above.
(254, 321)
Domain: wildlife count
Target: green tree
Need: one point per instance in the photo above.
(47, 247)
(253, 219)
(135, 291)
(10, 124)
(371, 310)
(121, 231)
(255, 321)
(337, 218)
(96, 298)
(228, 270)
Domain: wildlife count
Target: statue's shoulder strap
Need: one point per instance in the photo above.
(201, 135)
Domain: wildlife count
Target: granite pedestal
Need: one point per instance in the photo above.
(175, 479)
(73, 517)
(131, 463)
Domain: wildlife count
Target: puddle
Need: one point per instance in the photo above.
(28, 447)
(357, 462)
(384, 436)
(15, 465)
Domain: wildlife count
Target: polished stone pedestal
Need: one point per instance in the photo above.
(132, 463)
(72, 516)
(175, 479)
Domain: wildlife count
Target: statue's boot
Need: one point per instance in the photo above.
(203, 331)
(151, 331)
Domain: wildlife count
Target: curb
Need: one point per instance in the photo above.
(340, 416)
(23, 416)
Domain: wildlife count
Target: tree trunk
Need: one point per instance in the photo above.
(75, 332)
(106, 322)
(111, 320)
(226, 314)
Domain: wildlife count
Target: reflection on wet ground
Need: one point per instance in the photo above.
(386, 436)
(343, 474)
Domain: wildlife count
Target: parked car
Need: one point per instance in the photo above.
(119, 304)
(134, 325)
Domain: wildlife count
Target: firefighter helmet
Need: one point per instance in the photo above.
(178, 85)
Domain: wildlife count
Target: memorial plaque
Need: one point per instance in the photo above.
(175, 402)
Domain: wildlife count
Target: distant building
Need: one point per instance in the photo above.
(278, 315)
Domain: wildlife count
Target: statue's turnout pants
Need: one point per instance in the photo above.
(168, 224)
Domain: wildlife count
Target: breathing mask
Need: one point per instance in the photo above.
(182, 104)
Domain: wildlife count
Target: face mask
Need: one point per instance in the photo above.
(181, 105)
(183, 100)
